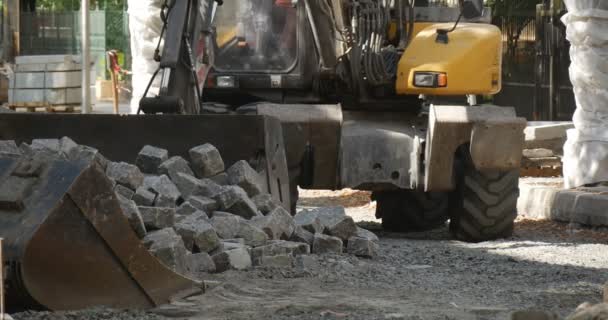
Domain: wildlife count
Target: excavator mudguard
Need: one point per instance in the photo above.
(495, 136)
(67, 243)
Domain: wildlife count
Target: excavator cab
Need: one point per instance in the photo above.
(348, 52)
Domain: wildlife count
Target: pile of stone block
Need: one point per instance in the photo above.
(197, 216)
(49, 80)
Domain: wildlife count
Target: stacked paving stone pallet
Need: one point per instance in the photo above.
(197, 217)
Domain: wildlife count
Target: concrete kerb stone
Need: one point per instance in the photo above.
(547, 131)
(552, 203)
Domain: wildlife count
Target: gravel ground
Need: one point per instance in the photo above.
(545, 265)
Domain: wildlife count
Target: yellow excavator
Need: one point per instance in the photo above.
(377, 95)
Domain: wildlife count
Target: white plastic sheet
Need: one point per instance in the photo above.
(586, 150)
(145, 26)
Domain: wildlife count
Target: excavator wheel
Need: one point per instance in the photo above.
(410, 210)
(484, 205)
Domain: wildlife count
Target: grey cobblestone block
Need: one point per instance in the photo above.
(9, 148)
(197, 233)
(237, 259)
(226, 227)
(323, 244)
(253, 236)
(279, 247)
(264, 203)
(362, 247)
(175, 165)
(302, 235)
(168, 247)
(278, 224)
(124, 191)
(242, 175)
(197, 263)
(337, 223)
(126, 174)
(309, 220)
(203, 203)
(130, 210)
(206, 161)
(234, 199)
(156, 218)
(144, 197)
(150, 158)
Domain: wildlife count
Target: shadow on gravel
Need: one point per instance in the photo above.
(555, 233)
(523, 272)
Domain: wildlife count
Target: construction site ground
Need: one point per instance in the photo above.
(546, 266)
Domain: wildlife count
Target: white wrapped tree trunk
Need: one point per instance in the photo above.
(145, 26)
(586, 150)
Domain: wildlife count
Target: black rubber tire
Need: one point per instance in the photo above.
(484, 205)
(408, 210)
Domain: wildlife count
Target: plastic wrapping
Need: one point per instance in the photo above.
(145, 26)
(586, 150)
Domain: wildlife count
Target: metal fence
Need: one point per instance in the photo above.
(48, 32)
(531, 45)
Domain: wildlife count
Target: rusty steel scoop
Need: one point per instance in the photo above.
(67, 243)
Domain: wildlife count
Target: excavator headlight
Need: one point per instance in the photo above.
(430, 79)
(225, 82)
